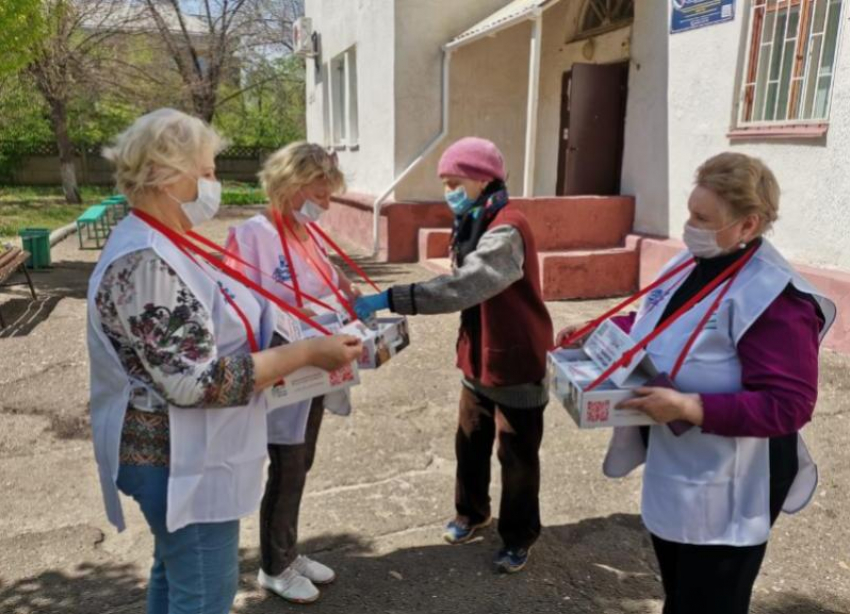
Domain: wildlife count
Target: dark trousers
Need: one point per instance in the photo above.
(282, 499)
(707, 579)
(519, 432)
(719, 579)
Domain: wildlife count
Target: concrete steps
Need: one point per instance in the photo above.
(589, 274)
(584, 246)
(434, 243)
(578, 274)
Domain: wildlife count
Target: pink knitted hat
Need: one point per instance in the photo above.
(473, 158)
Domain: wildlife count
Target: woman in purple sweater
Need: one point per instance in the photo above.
(726, 456)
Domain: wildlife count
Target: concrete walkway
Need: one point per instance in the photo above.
(379, 494)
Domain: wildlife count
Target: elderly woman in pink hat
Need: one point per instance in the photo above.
(505, 332)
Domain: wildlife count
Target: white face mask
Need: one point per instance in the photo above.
(206, 205)
(702, 242)
(311, 211)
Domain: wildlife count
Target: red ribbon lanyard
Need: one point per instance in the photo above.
(345, 257)
(249, 330)
(728, 275)
(224, 251)
(285, 244)
(280, 221)
(594, 324)
(187, 246)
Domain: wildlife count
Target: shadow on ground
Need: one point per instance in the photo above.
(90, 588)
(600, 566)
(66, 279)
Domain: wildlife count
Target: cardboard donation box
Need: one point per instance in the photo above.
(572, 371)
(308, 382)
(380, 344)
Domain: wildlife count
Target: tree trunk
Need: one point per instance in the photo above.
(205, 108)
(59, 119)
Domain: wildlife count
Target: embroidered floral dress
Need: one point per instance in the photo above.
(164, 338)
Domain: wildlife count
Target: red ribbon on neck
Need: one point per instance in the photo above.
(727, 276)
(187, 247)
(283, 225)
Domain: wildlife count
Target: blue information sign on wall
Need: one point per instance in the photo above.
(692, 14)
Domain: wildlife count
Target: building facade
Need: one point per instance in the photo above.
(597, 97)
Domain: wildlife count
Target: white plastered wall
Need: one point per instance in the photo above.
(370, 25)
(814, 175)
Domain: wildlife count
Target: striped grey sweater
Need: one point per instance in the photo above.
(496, 263)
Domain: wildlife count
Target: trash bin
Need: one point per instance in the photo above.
(37, 242)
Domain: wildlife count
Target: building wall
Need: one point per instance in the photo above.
(645, 156)
(370, 25)
(560, 52)
(488, 94)
(814, 216)
(422, 28)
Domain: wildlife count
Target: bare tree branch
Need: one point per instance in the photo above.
(253, 86)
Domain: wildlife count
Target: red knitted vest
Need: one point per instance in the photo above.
(506, 344)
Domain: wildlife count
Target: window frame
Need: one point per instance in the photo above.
(799, 78)
(611, 26)
(342, 124)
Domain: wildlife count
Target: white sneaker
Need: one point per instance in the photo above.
(290, 585)
(313, 570)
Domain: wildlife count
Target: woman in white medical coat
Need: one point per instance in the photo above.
(178, 418)
(727, 455)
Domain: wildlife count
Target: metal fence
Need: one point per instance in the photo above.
(39, 165)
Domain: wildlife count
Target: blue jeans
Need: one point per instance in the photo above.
(195, 569)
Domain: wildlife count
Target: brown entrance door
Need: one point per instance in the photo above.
(593, 119)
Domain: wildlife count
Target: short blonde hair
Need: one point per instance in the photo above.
(158, 147)
(746, 183)
(296, 166)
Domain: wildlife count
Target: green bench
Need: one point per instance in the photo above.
(118, 208)
(95, 220)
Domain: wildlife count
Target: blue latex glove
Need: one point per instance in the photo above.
(366, 306)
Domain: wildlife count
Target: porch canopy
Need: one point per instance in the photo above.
(512, 14)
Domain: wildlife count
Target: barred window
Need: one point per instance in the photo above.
(602, 15)
(791, 61)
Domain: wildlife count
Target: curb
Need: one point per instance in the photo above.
(60, 234)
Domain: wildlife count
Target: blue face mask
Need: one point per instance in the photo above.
(458, 201)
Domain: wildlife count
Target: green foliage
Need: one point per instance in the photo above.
(270, 111)
(23, 114)
(234, 193)
(96, 120)
(20, 24)
(25, 124)
(23, 121)
(262, 104)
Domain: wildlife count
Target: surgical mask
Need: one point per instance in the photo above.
(458, 201)
(206, 205)
(311, 211)
(702, 242)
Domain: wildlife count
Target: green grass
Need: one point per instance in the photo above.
(45, 206)
(42, 207)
